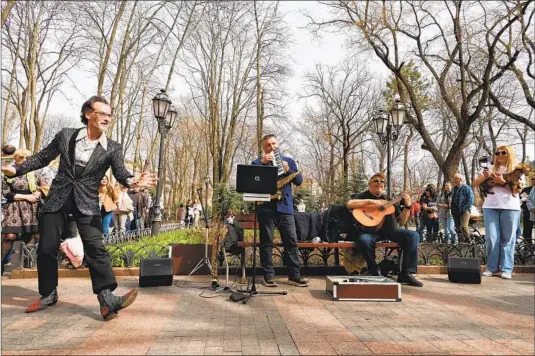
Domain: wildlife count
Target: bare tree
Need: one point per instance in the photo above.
(272, 70)
(518, 47)
(42, 40)
(349, 94)
(384, 25)
(6, 10)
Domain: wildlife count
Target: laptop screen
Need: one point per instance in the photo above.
(256, 179)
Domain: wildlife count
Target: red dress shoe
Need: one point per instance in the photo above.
(110, 304)
(43, 302)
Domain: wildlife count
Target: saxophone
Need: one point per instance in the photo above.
(285, 180)
(281, 183)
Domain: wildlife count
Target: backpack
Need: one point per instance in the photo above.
(234, 235)
(389, 266)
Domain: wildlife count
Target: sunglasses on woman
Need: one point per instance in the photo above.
(503, 153)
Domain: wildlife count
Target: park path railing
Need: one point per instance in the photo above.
(129, 255)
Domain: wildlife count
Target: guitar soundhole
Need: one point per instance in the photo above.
(368, 215)
(381, 208)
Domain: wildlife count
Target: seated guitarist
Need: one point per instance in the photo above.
(387, 230)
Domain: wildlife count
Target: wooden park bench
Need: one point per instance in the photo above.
(322, 249)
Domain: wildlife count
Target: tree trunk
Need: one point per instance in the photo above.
(7, 10)
(104, 64)
(465, 168)
(7, 102)
(259, 118)
(406, 160)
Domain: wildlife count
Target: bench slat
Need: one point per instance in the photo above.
(248, 225)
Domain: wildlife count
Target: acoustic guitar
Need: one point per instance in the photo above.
(371, 216)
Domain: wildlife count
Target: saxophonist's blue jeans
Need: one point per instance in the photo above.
(286, 224)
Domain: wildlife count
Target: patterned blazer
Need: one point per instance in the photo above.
(85, 186)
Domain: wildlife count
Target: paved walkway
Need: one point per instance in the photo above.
(496, 317)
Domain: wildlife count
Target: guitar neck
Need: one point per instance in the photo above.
(393, 202)
(398, 199)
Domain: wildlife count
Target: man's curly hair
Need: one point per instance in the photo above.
(88, 106)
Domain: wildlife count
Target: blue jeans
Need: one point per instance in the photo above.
(500, 238)
(518, 229)
(422, 225)
(106, 219)
(286, 225)
(407, 240)
(449, 230)
(432, 227)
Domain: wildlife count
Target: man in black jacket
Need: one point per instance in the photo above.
(85, 156)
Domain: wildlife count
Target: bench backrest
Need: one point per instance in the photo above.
(246, 221)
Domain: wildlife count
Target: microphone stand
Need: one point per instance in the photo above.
(205, 260)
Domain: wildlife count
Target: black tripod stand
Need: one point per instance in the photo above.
(205, 260)
(253, 290)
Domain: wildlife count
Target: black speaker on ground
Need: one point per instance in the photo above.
(156, 272)
(464, 270)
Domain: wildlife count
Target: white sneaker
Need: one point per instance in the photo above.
(488, 273)
(506, 275)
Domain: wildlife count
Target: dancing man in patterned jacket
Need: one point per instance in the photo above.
(85, 156)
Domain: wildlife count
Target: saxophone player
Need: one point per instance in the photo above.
(279, 213)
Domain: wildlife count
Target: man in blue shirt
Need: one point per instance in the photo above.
(279, 213)
(461, 203)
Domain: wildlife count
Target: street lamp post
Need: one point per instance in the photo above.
(387, 126)
(166, 114)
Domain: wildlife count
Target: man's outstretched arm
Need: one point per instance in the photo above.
(37, 161)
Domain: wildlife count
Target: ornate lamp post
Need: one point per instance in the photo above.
(166, 115)
(388, 126)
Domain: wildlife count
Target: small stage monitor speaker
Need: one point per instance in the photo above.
(156, 272)
(464, 270)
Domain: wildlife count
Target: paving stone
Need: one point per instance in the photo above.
(315, 348)
(213, 350)
(452, 346)
(385, 347)
(490, 347)
(351, 348)
(519, 345)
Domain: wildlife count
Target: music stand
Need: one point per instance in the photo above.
(257, 183)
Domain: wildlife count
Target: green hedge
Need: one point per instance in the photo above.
(129, 254)
(182, 236)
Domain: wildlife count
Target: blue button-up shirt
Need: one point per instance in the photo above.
(286, 204)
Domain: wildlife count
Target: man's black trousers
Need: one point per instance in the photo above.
(95, 254)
